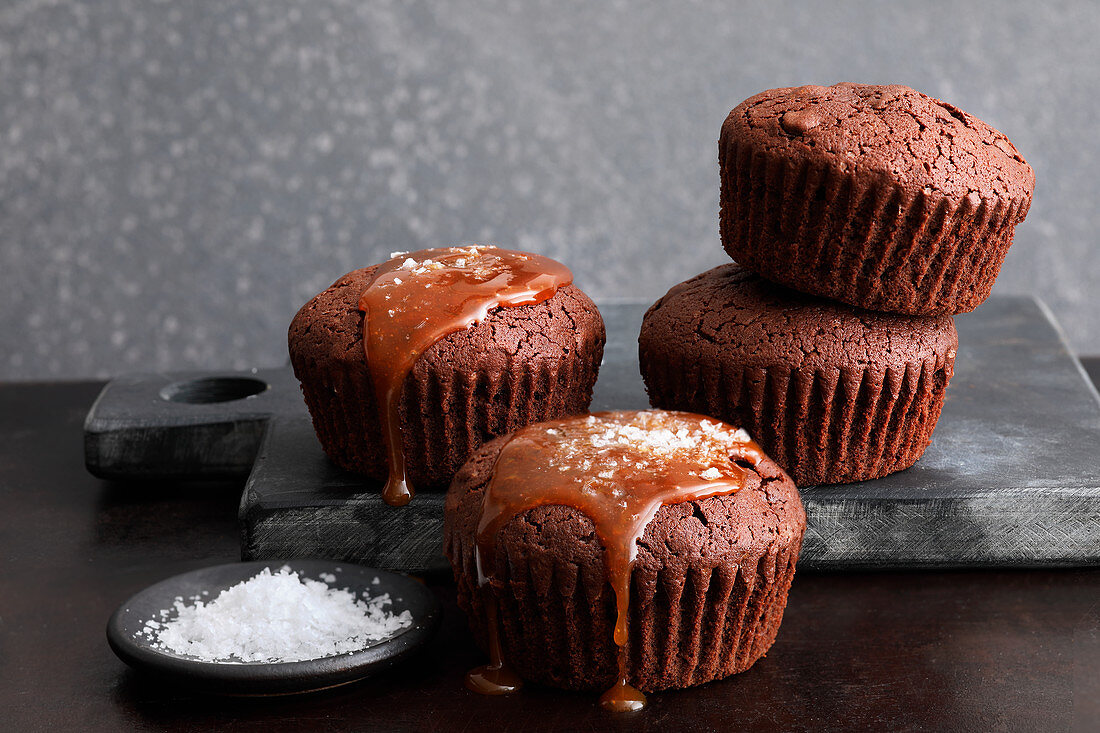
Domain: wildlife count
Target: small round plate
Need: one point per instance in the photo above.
(275, 678)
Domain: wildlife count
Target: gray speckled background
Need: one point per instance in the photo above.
(177, 178)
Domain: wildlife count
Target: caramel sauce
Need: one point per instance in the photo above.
(496, 677)
(417, 298)
(619, 469)
(622, 697)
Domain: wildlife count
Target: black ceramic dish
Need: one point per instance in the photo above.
(281, 677)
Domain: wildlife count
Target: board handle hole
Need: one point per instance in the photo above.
(209, 390)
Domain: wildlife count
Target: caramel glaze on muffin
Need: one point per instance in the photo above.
(706, 590)
(519, 365)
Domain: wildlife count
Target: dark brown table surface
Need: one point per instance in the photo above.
(960, 650)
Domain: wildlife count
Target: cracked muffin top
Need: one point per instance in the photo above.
(764, 512)
(920, 143)
(329, 328)
(730, 312)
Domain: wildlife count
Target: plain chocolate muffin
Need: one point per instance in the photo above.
(519, 365)
(877, 196)
(834, 394)
(707, 589)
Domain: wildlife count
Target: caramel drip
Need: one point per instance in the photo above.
(622, 697)
(496, 677)
(415, 299)
(619, 469)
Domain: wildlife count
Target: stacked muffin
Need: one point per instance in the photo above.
(861, 218)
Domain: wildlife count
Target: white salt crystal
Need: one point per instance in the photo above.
(278, 617)
(645, 441)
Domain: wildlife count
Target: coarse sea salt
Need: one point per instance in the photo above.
(276, 617)
(652, 437)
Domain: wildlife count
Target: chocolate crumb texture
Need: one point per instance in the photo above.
(877, 196)
(707, 591)
(520, 365)
(833, 393)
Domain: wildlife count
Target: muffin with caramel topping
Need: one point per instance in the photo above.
(651, 548)
(473, 380)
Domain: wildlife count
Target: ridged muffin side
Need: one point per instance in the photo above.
(520, 365)
(707, 592)
(833, 393)
(877, 196)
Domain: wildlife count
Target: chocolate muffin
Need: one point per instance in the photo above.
(834, 394)
(517, 365)
(877, 196)
(706, 590)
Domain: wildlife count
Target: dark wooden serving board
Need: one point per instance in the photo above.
(1012, 477)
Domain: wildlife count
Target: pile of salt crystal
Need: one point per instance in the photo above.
(276, 617)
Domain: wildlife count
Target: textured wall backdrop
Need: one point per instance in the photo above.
(177, 178)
